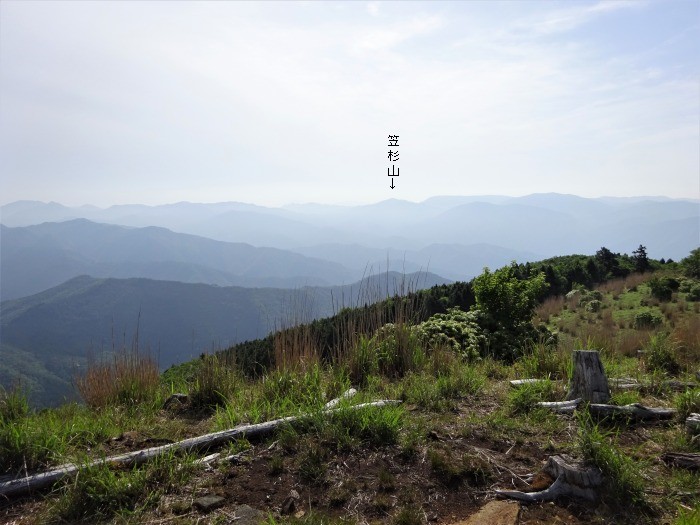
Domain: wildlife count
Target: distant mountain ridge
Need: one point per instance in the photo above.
(35, 258)
(542, 224)
(47, 335)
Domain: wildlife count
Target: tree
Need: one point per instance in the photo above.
(641, 261)
(506, 299)
(608, 261)
(691, 264)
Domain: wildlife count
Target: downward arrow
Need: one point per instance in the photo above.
(392, 183)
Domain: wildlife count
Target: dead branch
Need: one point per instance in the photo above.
(681, 460)
(207, 441)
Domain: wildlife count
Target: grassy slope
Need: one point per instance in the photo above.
(460, 432)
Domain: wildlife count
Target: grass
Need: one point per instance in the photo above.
(99, 492)
(453, 469)
(130, 377)
(368, 459)
(524, 398)
(621, 473)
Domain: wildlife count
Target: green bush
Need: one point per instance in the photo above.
(594, 306)
(694, 293)
(647, 319)
(663, 288)
(456, 330)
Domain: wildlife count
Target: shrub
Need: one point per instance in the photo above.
(694, 293)
(594, 306)
(663, 288)
(456, 330)
(647, 319)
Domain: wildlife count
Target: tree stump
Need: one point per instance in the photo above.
(589, 381)
(692, 423)
(569, 480)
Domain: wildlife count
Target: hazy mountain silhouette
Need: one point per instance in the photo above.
(539, 224)
(35, 258)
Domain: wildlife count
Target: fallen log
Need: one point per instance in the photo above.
(692, 423)
(562, 407)
(634, 411)
(45, 479)
(681, 460)
(346, 395)
(569, 480)
(624, 383)
(517, 383)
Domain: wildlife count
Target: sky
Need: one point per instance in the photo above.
(270, 103)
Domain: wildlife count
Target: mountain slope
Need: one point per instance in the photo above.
(38, 257)
(54, 330)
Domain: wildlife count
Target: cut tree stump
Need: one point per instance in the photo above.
(44, 479)
(687, 461)
(589, 381)
(569, 480)
(692, 423)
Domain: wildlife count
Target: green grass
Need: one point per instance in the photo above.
(451, 409)
(100, 493)
(524, 398)
(621, 473)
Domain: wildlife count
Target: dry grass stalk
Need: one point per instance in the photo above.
(130, 376)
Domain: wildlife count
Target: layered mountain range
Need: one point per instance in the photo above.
(192, 276)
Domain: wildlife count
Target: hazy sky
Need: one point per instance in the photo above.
(271, 103)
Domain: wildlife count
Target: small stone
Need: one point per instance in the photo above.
(299, 514)
(209, 503)
(246, 515)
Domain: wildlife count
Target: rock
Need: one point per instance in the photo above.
(495, 513)
(246, 515)
(209, 503)
(290, 502)
(175, 399)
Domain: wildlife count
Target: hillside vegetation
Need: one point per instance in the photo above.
(461, 431)
(46, 337)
